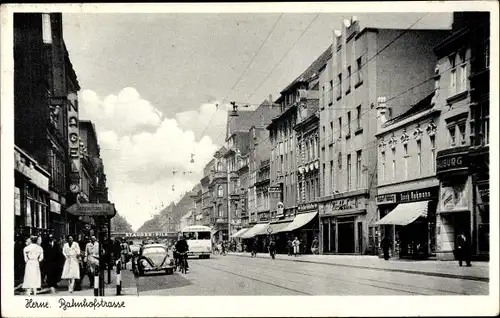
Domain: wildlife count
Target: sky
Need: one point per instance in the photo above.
(151, 83)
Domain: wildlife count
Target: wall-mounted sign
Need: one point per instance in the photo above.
(55, 207)
(73, 133)
(308, 206)
(274, 189)
(455, 197)
(386, 198)
(451, 162)
(17, 201)
(425, 194)
(30, 170)
(345, 204)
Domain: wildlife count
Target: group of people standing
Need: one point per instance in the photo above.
(48, 261)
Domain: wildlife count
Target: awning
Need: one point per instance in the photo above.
(257, 228)
(215, 231)
(299, 221)
(279, 227)
(240, 232)
(405, 213)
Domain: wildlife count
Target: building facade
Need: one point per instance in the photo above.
(462, 161)
(407, 190)
(365, 65)
(46, 112)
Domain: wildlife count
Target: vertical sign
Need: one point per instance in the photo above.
(73, 133)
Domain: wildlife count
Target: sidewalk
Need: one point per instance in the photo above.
(129, 287)
(478, 272)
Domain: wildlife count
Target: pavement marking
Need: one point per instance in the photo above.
(258, 280)
(408, 271)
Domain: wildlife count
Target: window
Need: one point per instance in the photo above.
(324, 131)
(463, 72)
(313, 189)
(348, 79)
(452, 135)
(331, 176)
(339, 159)
(323, 97)
(317, 187)
(46, 28)
(405, 158)
(339, 87)
(485, 123)
(419, 156)
(324, 179)
(340, 127)
(331, 129)
(358, 117)
(330, 93)
(393, 164)
(348, 172)
(432, 140)
(382, 173)
(219, 211)
(348, 123)
(358, 169)
(359, 77)
(220, 191)
(453, 75)
(461, 129)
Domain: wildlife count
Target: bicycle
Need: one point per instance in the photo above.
(182, 263)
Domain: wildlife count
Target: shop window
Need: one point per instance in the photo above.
(333, 246)
(360, 237)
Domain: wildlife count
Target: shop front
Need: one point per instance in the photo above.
(408, 220)
(342, 226)
(304, 226)
(479, 166)
(455, 213)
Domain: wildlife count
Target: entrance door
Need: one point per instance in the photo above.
(346, 237)
(326, 233)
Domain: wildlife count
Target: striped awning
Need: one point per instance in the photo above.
(405, 213)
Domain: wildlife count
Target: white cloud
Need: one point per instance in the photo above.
(145, 154)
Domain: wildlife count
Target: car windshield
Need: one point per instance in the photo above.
(154, 250)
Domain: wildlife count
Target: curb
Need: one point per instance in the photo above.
(408, 271)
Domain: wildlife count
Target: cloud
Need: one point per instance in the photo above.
(147, 157)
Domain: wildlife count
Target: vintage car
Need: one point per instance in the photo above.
(153, 258)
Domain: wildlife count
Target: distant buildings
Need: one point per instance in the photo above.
(384, 134)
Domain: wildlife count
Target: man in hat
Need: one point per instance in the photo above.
(52, 262)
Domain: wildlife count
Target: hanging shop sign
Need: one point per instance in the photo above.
(308, 206)
(92, 209)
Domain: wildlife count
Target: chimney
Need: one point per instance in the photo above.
(381, 112)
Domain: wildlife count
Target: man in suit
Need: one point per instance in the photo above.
(52, 262)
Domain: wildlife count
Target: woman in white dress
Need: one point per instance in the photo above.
(296, 246)
(71, 269)
(33, 255)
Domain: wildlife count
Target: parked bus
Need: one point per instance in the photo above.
(199, 239)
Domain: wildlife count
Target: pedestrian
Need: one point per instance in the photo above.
(315, 246)
(91, 258)
(125, 252)
(289, 246)
(33, 255)
(82, 243)
(272, 248)
(223, 248)
(296, 246)
(52, 261)
(71, 269)
(255, 247)
(463, 249)
(386, 245)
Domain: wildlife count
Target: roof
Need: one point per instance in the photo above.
(420, 106)
(312, 71)
(243, 122)
(285, 113)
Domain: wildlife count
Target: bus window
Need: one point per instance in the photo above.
(197, 235)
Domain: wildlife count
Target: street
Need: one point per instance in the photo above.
(241, 275)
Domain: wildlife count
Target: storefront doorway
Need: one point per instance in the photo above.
(346, 235)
